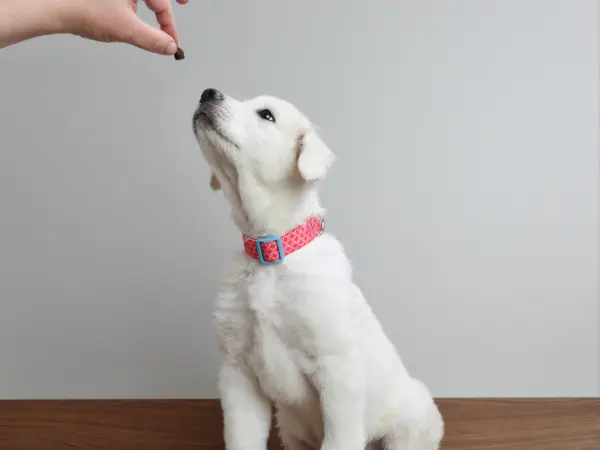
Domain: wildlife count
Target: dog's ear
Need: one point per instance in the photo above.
(214, 182)
(314, 157)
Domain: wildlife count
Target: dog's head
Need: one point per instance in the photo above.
(263, 152)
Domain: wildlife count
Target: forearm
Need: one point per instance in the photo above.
(21, 20)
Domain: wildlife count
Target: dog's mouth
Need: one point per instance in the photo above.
(204, 116)
(205, 119)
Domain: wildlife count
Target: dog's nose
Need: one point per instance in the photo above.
(210, 95)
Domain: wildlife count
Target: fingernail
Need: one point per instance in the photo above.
(171, 48)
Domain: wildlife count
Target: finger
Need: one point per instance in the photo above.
(148, 38)
(171, 31)
(164, 16)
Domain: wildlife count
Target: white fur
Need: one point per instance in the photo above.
(299, 335)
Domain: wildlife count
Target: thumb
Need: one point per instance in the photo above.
(148, 38)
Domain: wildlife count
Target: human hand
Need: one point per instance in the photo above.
(116, 21)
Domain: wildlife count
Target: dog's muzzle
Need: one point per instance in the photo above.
(209, 103)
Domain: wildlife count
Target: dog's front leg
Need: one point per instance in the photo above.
(246, 412)
(341, 383)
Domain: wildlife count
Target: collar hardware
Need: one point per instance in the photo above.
(274, 249)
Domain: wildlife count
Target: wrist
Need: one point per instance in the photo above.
(21, 20)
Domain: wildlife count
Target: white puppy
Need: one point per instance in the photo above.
(294, 330)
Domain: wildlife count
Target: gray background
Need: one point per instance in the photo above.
(466, 191)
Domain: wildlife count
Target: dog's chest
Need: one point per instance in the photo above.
(258, 330)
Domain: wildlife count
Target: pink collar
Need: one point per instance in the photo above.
(273, 249)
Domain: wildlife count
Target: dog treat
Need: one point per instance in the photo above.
(179, 54)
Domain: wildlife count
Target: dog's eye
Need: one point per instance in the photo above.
(266, 115)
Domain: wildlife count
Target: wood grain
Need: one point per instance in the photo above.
(523, 424)
(471, 424)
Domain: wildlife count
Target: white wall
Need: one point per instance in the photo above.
(466, 191)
